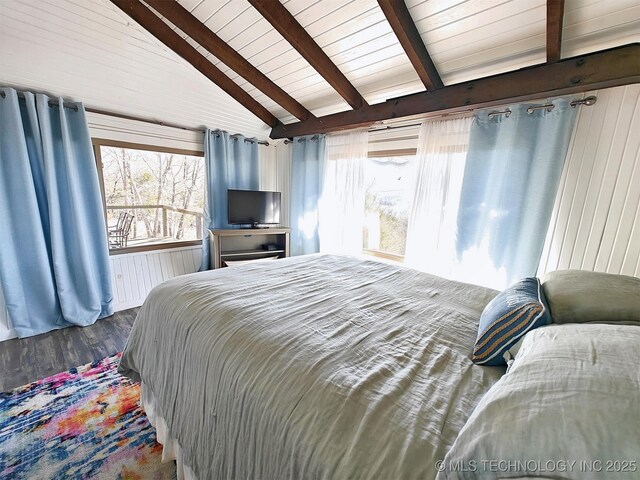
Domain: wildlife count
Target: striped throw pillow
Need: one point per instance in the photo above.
(511, 314)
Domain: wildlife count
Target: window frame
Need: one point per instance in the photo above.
(382, 254)
(104, 142)
(405, 152)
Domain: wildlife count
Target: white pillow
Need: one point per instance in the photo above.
(569, 407)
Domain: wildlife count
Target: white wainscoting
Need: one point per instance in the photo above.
(133, 275)
(596, 218)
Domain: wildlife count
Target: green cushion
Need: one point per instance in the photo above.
(577, 296)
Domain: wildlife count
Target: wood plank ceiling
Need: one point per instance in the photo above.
(553, 77)
(293, 63)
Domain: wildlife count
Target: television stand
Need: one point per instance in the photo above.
(239, 245)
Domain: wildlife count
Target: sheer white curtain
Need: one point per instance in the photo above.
(275, 174)
(431, 232)
(343, 193)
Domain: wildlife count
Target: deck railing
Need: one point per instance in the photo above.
(163, 230)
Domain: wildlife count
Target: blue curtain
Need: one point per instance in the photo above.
(231, 162)
(307, 168)
(511, 177)
(54, 264)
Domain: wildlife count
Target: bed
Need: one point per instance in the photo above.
(326, 367)
(315, 367)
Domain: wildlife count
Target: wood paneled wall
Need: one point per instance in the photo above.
(275, 174)
(596, 218)
(91, 51)
(134, 275)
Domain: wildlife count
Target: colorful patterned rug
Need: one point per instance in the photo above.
(84, 423)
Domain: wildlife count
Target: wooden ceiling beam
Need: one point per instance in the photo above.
(159, 29)
(285, 23)
(604, 69)
(555, 16)
(188, 23)
(405, 29)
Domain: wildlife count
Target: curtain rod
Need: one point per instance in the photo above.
(585, 101)
(70, 106)
(590, 100)
(313, 138)
(132, 117)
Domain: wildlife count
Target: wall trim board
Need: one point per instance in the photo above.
(137, 132)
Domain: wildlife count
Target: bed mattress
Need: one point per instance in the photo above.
(311, 367)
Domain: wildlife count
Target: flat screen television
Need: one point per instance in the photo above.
(253, 207)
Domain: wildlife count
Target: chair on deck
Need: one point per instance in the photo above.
(119, 223)
(118, 235)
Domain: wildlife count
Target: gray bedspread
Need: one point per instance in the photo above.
(311, 367)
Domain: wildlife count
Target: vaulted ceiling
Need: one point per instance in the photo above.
(369, 51)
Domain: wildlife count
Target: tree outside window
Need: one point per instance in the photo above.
(163, 191)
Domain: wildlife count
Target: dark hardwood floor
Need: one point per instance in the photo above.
(25, 360)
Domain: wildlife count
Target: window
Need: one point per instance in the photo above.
(153, 197)
(388, 200)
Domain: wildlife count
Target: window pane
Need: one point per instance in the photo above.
(164, 192)
(389, 184)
